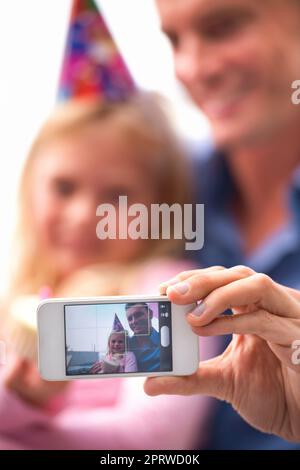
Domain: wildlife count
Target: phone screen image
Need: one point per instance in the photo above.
(113, 338)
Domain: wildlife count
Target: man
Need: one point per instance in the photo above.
(238, 59)
(145, 342)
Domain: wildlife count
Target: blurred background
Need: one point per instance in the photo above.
(32, 40)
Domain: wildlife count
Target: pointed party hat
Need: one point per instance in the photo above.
(92, 64)
(117, 325)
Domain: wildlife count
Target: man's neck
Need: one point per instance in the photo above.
(262, 175)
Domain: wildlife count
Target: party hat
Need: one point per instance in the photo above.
(117, 325)
(92, 64)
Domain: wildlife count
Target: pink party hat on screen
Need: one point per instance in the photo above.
(117, 325)
(92, 64)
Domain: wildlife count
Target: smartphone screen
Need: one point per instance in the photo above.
(112, 338)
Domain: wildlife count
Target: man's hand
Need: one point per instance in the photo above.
(256, 373)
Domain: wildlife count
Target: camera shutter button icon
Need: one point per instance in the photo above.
(164, 336)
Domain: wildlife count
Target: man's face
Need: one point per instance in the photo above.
(139, 318)
(237, 59)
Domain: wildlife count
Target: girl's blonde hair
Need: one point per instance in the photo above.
(142, 121)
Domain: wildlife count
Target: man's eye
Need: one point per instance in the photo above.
(64, 187)
(139, 314)
(220, 30)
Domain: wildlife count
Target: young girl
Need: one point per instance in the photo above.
(87, 154)
(117, 358)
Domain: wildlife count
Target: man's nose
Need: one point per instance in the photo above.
(198, 62)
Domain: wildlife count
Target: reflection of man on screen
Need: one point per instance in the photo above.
(145, 342)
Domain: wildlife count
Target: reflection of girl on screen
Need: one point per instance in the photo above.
(117, 358)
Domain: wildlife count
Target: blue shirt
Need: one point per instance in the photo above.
(148, 352)
(279, 257)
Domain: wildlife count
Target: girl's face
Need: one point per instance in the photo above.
(117, 343)
(70, 178)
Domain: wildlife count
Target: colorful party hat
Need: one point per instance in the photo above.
(117, 325)
(92, 64)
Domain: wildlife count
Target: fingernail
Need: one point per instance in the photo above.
(199, 309)
(181, 288)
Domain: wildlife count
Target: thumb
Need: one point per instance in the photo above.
(209, 379)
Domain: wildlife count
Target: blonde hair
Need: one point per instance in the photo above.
(141, 120)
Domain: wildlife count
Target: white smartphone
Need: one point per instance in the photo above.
(114, 337)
